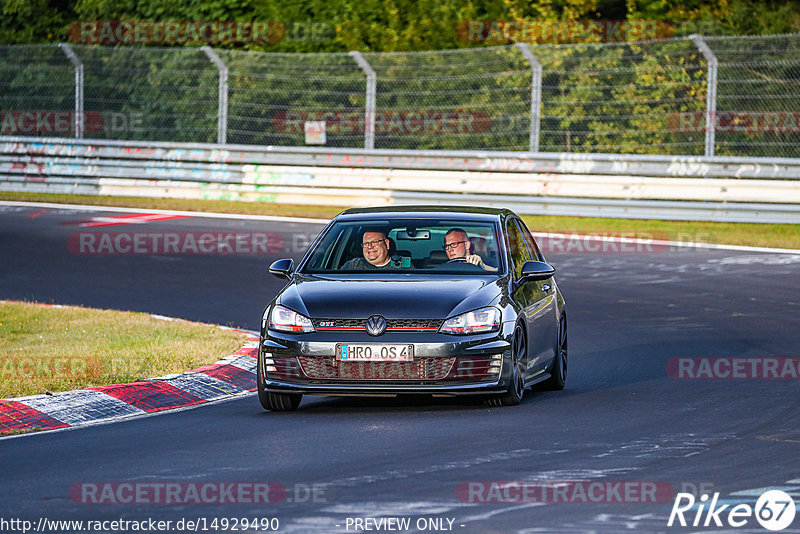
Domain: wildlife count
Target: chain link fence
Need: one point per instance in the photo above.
(726, 96)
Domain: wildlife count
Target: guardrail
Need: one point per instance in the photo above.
(634, 186)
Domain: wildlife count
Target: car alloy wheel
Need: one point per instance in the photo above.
(558, 373)
(275, 402)
(516, 386)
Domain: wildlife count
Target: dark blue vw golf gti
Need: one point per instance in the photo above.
(415, 299)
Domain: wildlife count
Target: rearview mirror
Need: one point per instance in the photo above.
(282, 268)
(411, 234)
(537, 270)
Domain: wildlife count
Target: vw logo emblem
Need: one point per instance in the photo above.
(376, 325)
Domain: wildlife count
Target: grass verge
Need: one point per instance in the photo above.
(44, 348)
(757, 235)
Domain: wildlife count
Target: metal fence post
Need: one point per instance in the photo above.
(711, 93)
(536, 95)
(222, 106)
(76, 62)
(369, 108)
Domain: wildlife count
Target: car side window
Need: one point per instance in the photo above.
(516, 246)
(530, 241)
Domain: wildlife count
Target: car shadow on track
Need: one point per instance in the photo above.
(320, 404)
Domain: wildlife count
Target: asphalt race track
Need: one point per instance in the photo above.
(626, 419)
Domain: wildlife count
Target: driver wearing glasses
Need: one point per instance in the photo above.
(375, 247)
(457, 245)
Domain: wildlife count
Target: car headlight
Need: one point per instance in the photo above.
(474, 322)
(285, 320)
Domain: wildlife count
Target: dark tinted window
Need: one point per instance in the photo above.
(516, 246)
(530, 241)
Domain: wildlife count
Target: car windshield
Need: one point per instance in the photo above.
(440, 246)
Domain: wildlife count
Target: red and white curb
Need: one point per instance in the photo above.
(231, 376)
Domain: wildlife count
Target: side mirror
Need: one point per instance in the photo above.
(282, 268)
(536, 270)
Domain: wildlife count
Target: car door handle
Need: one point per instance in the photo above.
(545, 287)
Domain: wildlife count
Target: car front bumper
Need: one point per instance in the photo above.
(443, 364)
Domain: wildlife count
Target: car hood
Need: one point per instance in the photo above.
(418, 298)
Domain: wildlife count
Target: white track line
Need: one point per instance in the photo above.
(164, 212)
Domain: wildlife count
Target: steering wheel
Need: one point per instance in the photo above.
(458, 260)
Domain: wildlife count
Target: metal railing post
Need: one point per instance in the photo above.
(536, 95)
(369, 108)
(76, 62)
(222, 106)
(711, 93)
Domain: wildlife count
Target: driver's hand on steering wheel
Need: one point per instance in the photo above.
(477, 260)
(474, 259)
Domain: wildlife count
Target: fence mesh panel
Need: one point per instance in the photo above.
(271, 96)
(164, 94)
(758, 99)
(621, 97)
(456, 99)
(628, 97)
(35, 78)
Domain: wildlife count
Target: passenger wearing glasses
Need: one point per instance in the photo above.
(375, 247)
(457, 246)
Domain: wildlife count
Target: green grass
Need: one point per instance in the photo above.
(62, 348)
(761, 235)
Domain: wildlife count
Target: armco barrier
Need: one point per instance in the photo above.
(636, 186)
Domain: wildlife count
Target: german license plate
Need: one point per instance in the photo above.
(367, 352)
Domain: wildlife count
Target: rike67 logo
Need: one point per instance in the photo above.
(774, 510)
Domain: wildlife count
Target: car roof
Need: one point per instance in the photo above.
(476, 213)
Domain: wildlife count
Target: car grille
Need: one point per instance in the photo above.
(392, 325)
(327, 368)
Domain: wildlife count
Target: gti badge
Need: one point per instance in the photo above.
(376, 325)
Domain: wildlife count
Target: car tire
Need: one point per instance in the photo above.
(558, 371)
(275, 402)
(516, 386)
